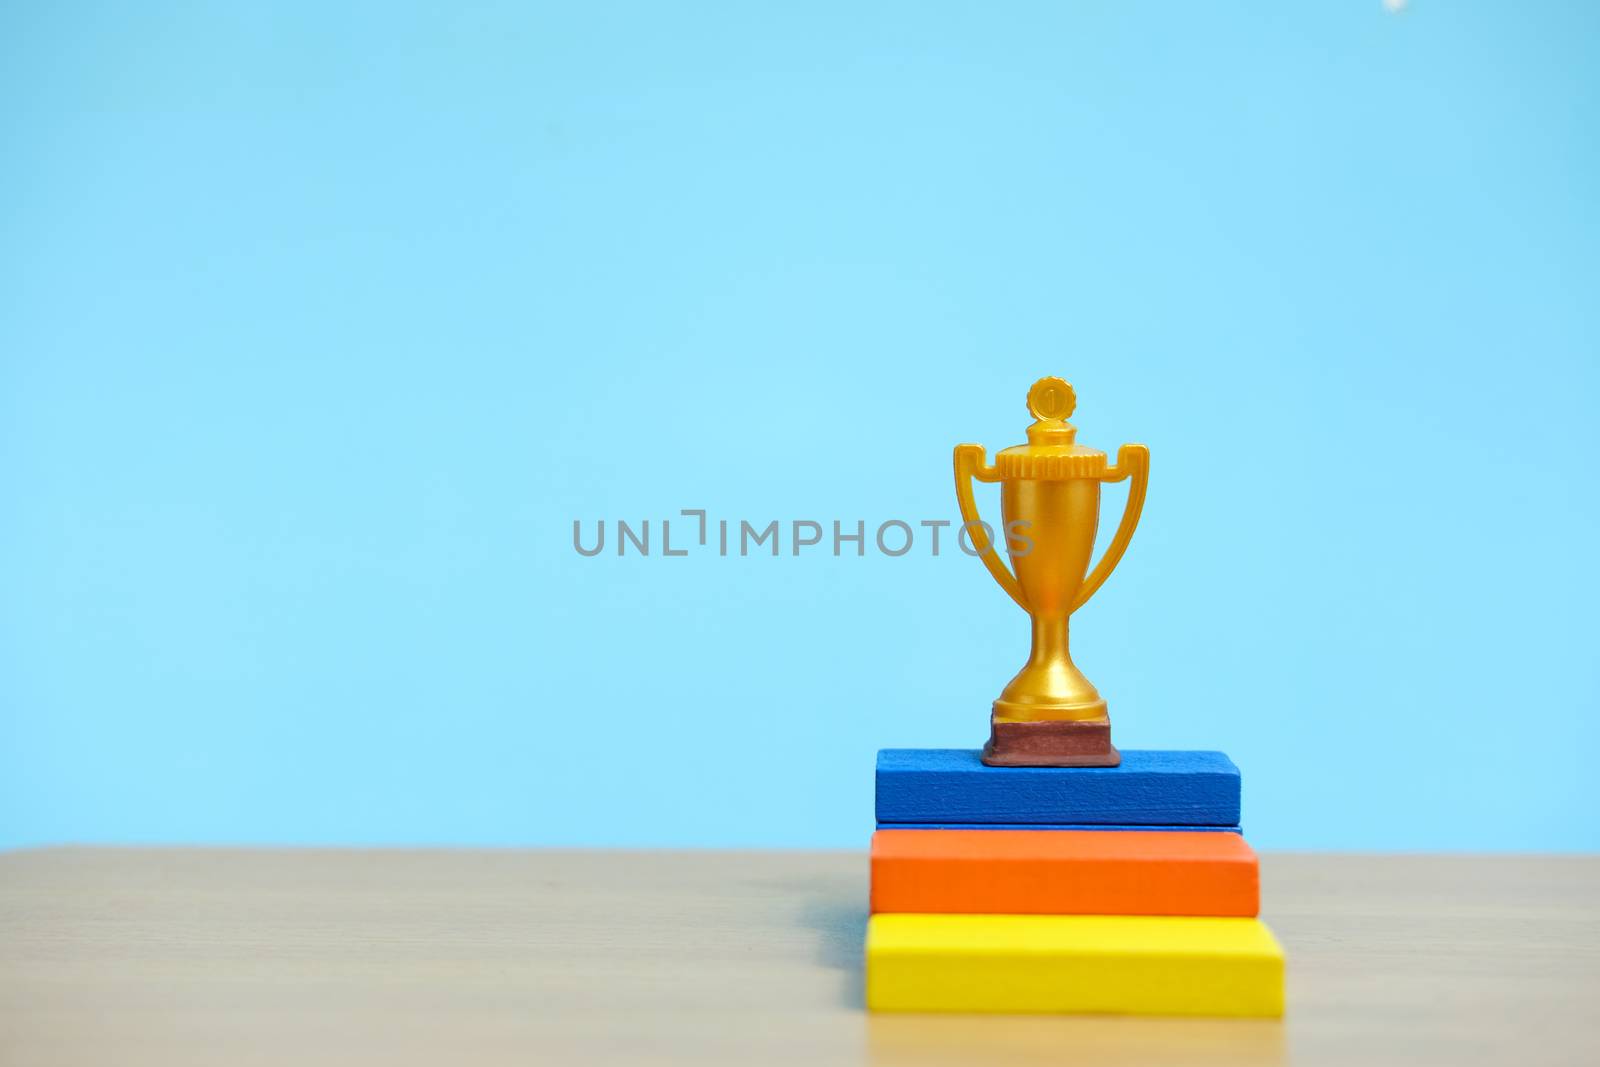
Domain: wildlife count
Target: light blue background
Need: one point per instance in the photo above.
(320, 324)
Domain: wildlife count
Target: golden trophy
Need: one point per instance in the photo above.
(1050, 715)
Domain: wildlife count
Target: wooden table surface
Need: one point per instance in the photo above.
(131, 957)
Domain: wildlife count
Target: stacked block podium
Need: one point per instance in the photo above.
(1124, 889)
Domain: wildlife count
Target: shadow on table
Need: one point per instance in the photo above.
(838, 913)
(994, 1039)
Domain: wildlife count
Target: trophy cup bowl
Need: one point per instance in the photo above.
(1050, 715)
(1060, 518)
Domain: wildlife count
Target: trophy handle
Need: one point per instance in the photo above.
(969, 465)
(1134, 461)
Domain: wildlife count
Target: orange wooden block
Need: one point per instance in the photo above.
(1063, 872)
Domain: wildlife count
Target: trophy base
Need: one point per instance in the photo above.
(1065, 743)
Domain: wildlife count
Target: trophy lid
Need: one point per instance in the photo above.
(1052, 453)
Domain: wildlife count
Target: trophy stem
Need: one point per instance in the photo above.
(1050, 715)
(1049, 641)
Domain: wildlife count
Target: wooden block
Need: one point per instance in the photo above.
(952, 787)
(1141, 872)
(1109, 827)
(1073, 964)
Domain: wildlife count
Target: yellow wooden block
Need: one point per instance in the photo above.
(1126, 964)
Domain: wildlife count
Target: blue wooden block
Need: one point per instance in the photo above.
(951, 787)
(1049, 826)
